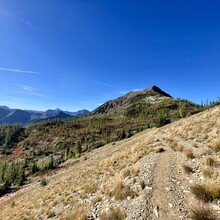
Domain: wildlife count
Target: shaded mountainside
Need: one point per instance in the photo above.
(18, 116)
(150, 95)
(4, 113)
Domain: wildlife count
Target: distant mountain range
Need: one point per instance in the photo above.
(18, 116)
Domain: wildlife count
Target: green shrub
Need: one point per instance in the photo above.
(68, 197)
(43, 182)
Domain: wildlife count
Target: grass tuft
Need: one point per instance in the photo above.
(113, 214)
(206, 192)
(135, 170)
(142, 184)
(216, 146)
(207, 172)
(159, 150)
(121, 191)
(202, 212)
(210, 161)
(187, 169)
(189, 153)
(43, 182)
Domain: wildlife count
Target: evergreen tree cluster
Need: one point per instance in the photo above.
(9, 135)
(12, 174)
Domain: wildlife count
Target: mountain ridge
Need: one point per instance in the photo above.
(153, 93)
(20, 116)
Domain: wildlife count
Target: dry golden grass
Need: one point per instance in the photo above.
(113, 214)
(206, 192)
(126, 173)
(202, 212)
(103, 165)
(121, 191)
(142, 184)
(189, 153)
(79, 214)
(195, 145)
(135, 170)
(97, 199)
(159, 150)
(187, 169)
(211, 162)
(176, 146)
(216, 145)
(207, 172)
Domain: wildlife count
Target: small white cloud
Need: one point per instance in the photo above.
(127, 91)
(30, 90)
(27, 88)
(18, 70)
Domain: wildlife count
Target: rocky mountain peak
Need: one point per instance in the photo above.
(153, 94)
(157, 90)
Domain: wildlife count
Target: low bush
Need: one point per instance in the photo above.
(43, 182)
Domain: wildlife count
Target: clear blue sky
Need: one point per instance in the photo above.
(76, 54)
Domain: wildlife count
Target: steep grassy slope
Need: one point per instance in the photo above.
(142, 177)
(43, 146)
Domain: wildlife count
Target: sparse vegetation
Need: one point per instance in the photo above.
(202, 212)
(216, 145)
(187, 169)
(176, 146)
(79, 214)
(68, 197)
(159, 150)
(189, 153)
(135, 170)
(97, 199)
(207, 172)
(80, 185)
(43, 182)
(121, 191)
(206, 192)
(126, 173)
(142, 184)
(211, 162)
(113, 214)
